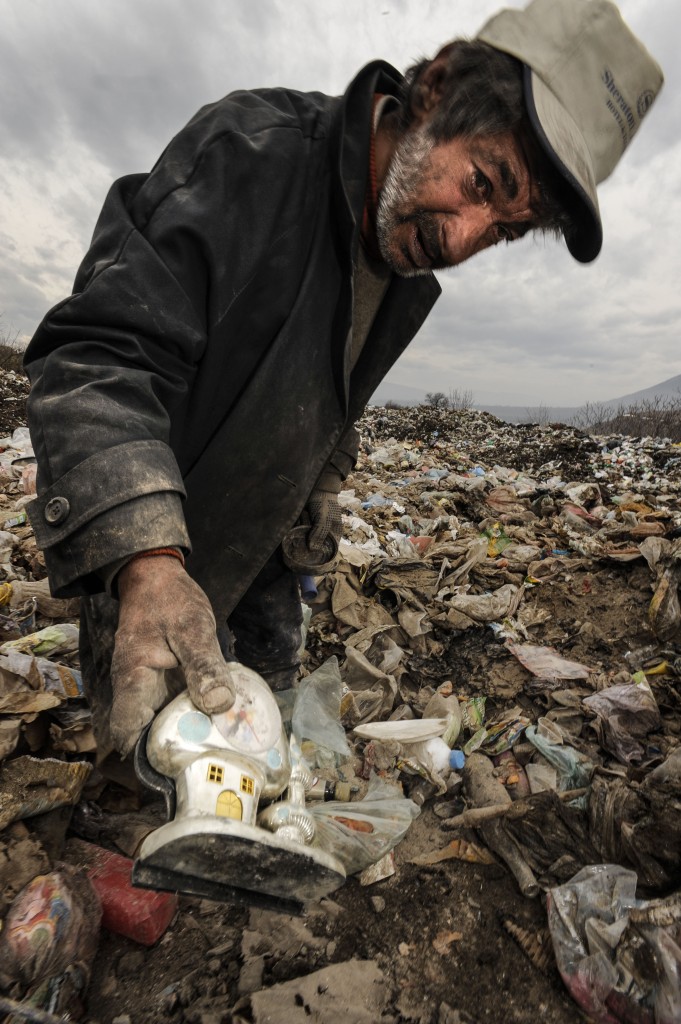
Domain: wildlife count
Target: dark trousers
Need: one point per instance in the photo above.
(263, 632)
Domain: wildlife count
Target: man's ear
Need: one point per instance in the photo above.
(429, 87)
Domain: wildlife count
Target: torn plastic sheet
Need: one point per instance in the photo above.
(504, 499)
(501, 603)
(574, 768)
(475, 553)
(409, 580)
(380, 650)
(519, 557)
(352, 608)
(546, 663)
(361, 832)
(414, 621)
(625, 714)
(370, 688)
(316, 712)
(619, 957)
(638, 824)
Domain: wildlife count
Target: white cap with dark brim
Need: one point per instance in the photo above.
(588, 83)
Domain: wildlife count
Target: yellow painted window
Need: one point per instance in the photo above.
(247, 785)
(215, 773)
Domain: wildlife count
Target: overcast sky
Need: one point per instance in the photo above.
(93, 89)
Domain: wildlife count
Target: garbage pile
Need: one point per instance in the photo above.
(498, 645)
(538, 601)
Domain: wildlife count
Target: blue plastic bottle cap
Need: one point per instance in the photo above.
(457, 759)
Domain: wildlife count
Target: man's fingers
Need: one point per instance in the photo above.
(209, 685)
(317, 536)
(137, 696)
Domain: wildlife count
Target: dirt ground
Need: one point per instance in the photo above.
(451, 942)
(481, 975)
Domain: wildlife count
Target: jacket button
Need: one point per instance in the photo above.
(56, 511)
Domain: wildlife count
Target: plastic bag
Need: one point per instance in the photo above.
(546, 663)
(625, 713)
(359, 833)
(574, 769)
(316, 712)
(618, 956)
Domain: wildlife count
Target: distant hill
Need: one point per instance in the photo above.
(402, 394)
(668, 388)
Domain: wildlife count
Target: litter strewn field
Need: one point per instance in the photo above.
(519, 585)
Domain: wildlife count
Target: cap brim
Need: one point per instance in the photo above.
(564, 144)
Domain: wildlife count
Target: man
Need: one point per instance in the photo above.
(195, 397)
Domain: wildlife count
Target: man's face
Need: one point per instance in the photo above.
(440, 203)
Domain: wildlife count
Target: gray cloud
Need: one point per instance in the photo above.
(95, 90)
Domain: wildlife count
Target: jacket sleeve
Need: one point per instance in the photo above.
(111, 364)
(343, 458)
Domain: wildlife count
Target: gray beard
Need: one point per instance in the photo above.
(404, 173)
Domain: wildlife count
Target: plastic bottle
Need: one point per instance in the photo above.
(327, 789)
(433, 755)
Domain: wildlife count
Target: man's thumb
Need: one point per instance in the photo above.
(210, 685)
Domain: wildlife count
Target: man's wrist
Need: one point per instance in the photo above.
(156, 552)
(330, 481)
(111, 574)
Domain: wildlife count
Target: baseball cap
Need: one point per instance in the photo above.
(588, 83)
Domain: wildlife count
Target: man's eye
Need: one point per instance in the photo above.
(503, 234)
(481, 184)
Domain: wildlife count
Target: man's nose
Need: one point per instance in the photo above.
(466, 232)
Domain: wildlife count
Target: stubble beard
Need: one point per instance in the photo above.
(397, 196)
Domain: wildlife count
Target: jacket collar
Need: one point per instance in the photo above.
(351, 135)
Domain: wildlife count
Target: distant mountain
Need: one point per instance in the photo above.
(668, 388)
(402, 394)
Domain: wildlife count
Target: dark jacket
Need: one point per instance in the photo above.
(196, 382)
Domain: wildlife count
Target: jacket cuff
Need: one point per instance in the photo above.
(152, 521)
(108, 574)
(104, 481)
(344, 456)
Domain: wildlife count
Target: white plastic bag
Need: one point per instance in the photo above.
(360, 832)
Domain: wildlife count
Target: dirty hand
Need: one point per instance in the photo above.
(165, 622)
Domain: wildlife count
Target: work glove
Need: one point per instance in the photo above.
(311, 546)
(326, 520)
(166, 629)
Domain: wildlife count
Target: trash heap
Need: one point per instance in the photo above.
(497, 647)
(528, 581)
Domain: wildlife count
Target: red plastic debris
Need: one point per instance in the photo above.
(140, 914)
